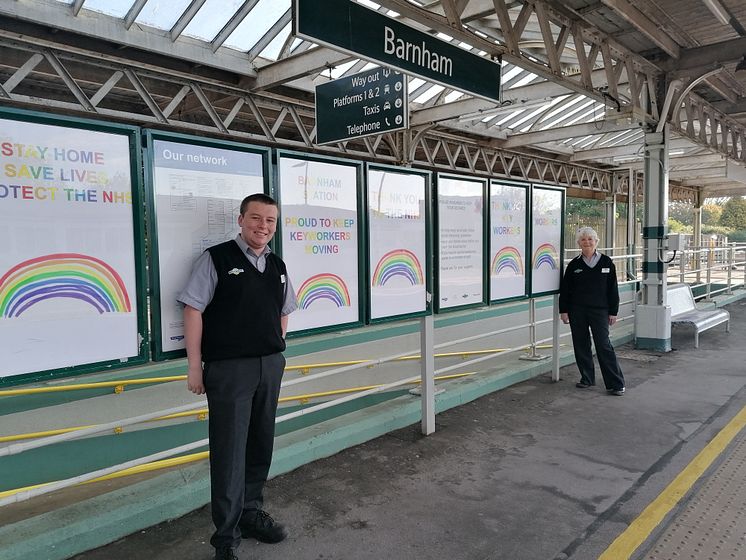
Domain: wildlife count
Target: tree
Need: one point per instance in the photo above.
(711, 213)
(734, 213)
(675, 226)
(682, 212)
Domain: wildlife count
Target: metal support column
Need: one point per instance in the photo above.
(555, 338)
(427, 373)
(653, 315)
(631, 224)
(696, 259)
(532, 354)
(610, 204)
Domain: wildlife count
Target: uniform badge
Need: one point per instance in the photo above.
(235, 271)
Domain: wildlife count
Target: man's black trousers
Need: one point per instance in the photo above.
(242, 398)
(583, 319)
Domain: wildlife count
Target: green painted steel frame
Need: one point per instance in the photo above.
(149, 137)
(485, 246)
(362, 226)
(138, 229)
(428, 176)
(531, 231)
(527, 238)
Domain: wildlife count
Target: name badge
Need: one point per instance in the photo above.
(605, 270)
(282, 278)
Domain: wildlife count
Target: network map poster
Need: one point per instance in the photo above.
(508, 235)
(198, 190)
(320, 239)
(68, 280)
(460, 241)
(397, 223)
(547, 209)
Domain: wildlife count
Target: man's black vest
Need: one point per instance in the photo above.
(243, 318)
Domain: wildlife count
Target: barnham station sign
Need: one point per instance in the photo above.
(350, 27)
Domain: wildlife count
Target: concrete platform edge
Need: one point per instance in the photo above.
(62, 533)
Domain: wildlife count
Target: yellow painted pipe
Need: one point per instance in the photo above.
(193, 457)
(202, 412)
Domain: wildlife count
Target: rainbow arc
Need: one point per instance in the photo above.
(399, 262)
(62, 275)
(506, 260)
(546, 254)
(324, 286)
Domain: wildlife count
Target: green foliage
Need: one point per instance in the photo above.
(738, 236)
(584, 208)
(675, 226)
(734, 213)
(718, 230)
(711, 213)
(681, 212)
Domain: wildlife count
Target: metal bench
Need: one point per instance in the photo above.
(685, 312)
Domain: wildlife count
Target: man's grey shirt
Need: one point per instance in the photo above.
(200, 288)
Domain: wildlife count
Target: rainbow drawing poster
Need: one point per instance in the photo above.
(319, 232)
(546, 239)
(398, 242)
(507, 240)
(68, 288)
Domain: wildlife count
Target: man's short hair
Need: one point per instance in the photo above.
(258, 197)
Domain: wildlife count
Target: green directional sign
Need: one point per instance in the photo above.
(371, 102)
(353, 28)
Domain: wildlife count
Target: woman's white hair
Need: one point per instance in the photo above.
(586, 232)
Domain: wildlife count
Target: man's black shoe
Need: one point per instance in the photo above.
(225, 553)
(583, 385)
(263, 528)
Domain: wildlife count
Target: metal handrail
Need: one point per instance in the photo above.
(348, 366)
(202, 413)
(121, 384)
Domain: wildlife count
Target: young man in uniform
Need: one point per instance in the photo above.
(236, 307)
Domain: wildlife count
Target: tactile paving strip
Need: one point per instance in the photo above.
(712, 525)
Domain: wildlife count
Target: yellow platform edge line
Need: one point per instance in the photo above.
(641, 528)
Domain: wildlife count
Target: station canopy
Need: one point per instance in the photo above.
(582, 80)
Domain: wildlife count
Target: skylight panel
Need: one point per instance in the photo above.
(453, 96)
(532, 114)
(566, 115)
(429, 94)
(509, 116)
(339, 70)
(524, 81)
(272, 51)
(253, 27)
(512, 73)
(566, 106)
(162, 14)
(582, 116)
(368, 3)
(211, 18)
(116, 8)
(414, 83)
